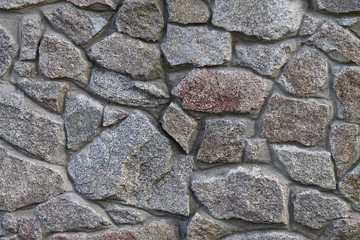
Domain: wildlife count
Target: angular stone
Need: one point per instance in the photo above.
(257, 151)
(310, 24)
(303, 121)
(29, 228)
(348, 229)
(188, 11)
(115, 51)
(25, 69)
(202, 227)
(8, 50)
(9, 222)
(125, 215)
(96, 4)
(307, 167)
(343, 6)
(258, 194)
(313, 209)
(113, 114)
(356, 28)
(349, 186)
(222, 90)
(14, 4)
(180, 126)
(121, 89)
(59, 58)
(31, 32)
(348, 21)
(266, 59)
(50, 94)
(82, 119)
(198, 46)
(273, 235)
(269, 20)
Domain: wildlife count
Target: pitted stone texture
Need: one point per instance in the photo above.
(303, 121)
(9, 222)
(124, 54)
(349, 186)
(97, 4)
(125, 215)
(188, 11)
(14, 4)
(268, 20)
(203, 227)
(8, 50)
(25, 69)
(258, 194)
(270, 235)
(31, 32)
(59, 58)
(29, 228)
(224, 141)
(35, 182)
(222, 90)
(343, 6)
(306, 74)
(266, 59)
(257, 151)
(313, 209)
(180, 126)
(307, 166)
(347, 21)
(198, 46)
(310, 24)
(121, 89)
(348, 229)
(78, 25)
(113, 114)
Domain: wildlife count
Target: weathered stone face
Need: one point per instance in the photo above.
(343, 6)
(25, 69)
(188, 11)
(29, 228)
(14, 4)
(273, 235)
(203, 227)
(342, 229)
(113, 114)
(125, 215)
(257, 151)
(349, 186)
(310, 24)
(8, 50)
(99, 4)
(31, 32)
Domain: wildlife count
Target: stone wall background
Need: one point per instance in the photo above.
(179, 119)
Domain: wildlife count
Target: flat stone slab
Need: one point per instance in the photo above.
(188, 11)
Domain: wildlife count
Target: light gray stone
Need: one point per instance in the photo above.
(96, 4)
(29, 228)
(356, 28)
(204, 227)
(188, 11)
(9, 222)
(348, 229)
(267, 235)
(14, 4)
(348, 21)
(343, 6)
(113, 114)
(310, 24)
(349, 186)
(125, 215)
(25, 69)
(10, 237)
(8, 50)
(31, 32)
(257, 151)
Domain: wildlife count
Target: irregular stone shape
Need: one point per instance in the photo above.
(188, 11)
(222, 90)
(303, 121)
(180, 126)
(348, 21)
(349, 186)
(313, 209)
(306, 74)
(11, 237)
(310, 24)
(115, 51)
(307, 167)
(269, 20)
(266, 59)
(202, 227)
(14, 4)
(356, 28)
(31, 32)
(121, 89)
(59, 58)
(9, 222)
(49, 94)
(82, 119)
(198, 46)
(273, 235)
(78, 25)
(8, 50)
(31, 128)
(347, 87)
(258, 194)
(345, 146)
(125, 215)
(335, 6)
(224, 141)
(257, 151)
(348, 229)
(29, 228)
(113, 114)
(96, 4)
(25, 69)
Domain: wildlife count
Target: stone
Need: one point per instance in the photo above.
(180, 126)
(223, 141)
(114, 52)
(78, 25)
(310, 24)
(348, 229)
(96, 4)
(10, 237)
(31, 32)
(82, 118)
(197, 45)
(222, 90)
(113, 114)
(269, 235)
(59, 58)
(188, 11)
(203, 227)
(348, 21)
(313, 209)
(303, 121)
(309, 167)
(266, 59)
(257, 151)
(8, 50)
(29, 228)
(345, 146)
(356, 28)
(121, 89)
(306, 74)
(25, 69)
(48, 93)
(349, 186)
(258, 194)
(334, 6)
(125, 215)
(9, 222)
(14, 4)
(270, 20)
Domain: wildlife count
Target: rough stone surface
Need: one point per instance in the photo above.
(188, 11)
(198, 46)
(125, 215)
(14, 4)
(257, 150)
(8, 50)
(113, 114)
(303, 121)
(31, 32)
(29, 228)
(273, 235)
(310, 24)
(343, 6)
(356, 28)
(9, 222)
(25, 69)
(222, 90)
(98, 4)
(349, 186)
(348, 229)
(202, 227)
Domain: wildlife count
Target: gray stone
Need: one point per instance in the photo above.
(313, 209)
(310, 24)
(31, 32)
(9, 222)
(203, 227)
(25, 69)
(78, 25)
(125, 215)
(307, 166)
(269, 20)
(30, 229)
(188, 11)
(180, 126)
(349, 186)
(356, 28)
(222, 90)
(14, 4)
(348, 21)
(348, 229)
(116, 50)
(59, 58)
(96, 4)
(10, 237)
(257, 151)
(113, 114)
(269, 235)
(303, 121)
(8, 50)
(335, 6)
(258, 194)
(266, 59)
(198, 46)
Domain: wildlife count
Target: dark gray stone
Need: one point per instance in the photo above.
(188, 11)
(257, 151)
(349, 186)
(347, 229)
(31, 32)
(25, 69)
(113, 114)
(8, 50)
(343, 6)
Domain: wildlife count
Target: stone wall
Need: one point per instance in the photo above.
(179, 119)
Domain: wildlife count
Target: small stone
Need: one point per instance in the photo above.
(310, 24)
(222, 90)
(258, 194)
(8, 50)
(349, 186)
(257, 151)
(335, 6)
(25, 69)
(31, 32)
(30, 229)
(115, 51)
(348, 21)
(113, 114)
(180, 126)
(266, 59)
(125, 215)
(198, 46)
(50, 94)
(14, 4)
(203, 227)
(348, 229)
(273, 235)
(59, 58)
(303, 121)
(9, 222)
(96, 4)
(188, 11)
(313, 209)
(356, 28)
(270, 20)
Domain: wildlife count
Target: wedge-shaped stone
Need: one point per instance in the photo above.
(343, 6)
(113, 114)
(26, 69)
(96, 4)
(8, 50)
(14, 4)
(310, 24)
(349, 186)
(202, 227)
(31, 32)
(188, 11)
(268, 235)
(348, 229)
